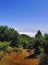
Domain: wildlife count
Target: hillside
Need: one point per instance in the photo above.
(21, 49)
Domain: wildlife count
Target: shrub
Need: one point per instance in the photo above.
(17, 49)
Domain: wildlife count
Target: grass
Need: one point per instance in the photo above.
(17, 58)
(2, 44)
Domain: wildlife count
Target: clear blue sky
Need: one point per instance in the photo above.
(25, 15)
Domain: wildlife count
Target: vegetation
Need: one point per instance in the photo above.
(11, 40)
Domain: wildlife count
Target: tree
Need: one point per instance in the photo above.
(38, 34)
(25, 40)
(9, 34)
(44, 59)
(2, 32)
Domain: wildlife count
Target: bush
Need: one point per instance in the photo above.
(4, 45)
(44, 60)
(17, 49)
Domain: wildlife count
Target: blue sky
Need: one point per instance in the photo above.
(26, 16)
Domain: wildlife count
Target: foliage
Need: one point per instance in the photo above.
(25, 40)
(3, 45)
(9, 34)
(11, 40)
(17, 49)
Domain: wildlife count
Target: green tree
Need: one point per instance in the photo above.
(38, 34)
(25, 40)
(9, 34)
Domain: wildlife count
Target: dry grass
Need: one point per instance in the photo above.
(18, 58)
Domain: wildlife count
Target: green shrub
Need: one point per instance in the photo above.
(17, 49)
